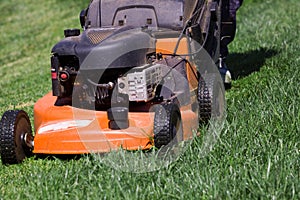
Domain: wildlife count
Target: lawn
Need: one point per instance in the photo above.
(257, 155)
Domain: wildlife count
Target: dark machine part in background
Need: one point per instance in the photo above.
(63, 72)
(103, 23)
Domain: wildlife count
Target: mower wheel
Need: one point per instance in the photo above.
(167, 125)
(16, 139)
(211, 98)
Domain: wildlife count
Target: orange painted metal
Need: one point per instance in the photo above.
(58, 129)
(69, 130)
(167, 46)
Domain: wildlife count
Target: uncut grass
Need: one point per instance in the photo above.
(257, 155)
(28, 32)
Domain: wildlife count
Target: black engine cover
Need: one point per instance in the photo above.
(102, 48)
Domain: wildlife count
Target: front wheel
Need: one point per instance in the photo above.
(167, 125)
(16, 139)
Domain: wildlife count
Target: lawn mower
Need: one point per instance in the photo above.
(135, 79)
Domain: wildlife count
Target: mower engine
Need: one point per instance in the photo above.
(141, 82)
(121, 63)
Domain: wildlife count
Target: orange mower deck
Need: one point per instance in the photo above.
(69, 130)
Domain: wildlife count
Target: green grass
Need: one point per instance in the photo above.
(256, 157)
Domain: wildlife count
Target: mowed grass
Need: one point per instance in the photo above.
(256, 157)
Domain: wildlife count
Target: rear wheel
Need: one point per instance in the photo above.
(167, 125)
(16, 139)
(211, 98)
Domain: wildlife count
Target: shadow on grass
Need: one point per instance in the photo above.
(243, 64)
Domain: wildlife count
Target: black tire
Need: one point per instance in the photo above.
(15, 137)
(211, 98)
(167, 125)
